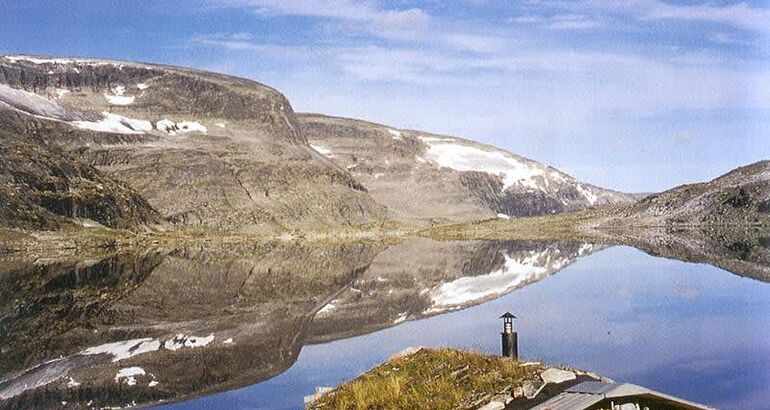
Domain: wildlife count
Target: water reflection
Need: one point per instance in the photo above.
(151, 326)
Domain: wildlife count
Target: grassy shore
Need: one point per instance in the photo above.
(431, 378)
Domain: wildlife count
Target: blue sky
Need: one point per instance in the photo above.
(636, 95)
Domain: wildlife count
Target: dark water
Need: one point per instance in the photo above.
(690, 330)
(282, 320)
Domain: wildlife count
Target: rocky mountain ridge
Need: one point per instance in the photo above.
(224, 153)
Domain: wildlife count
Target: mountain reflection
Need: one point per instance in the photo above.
(133, 328)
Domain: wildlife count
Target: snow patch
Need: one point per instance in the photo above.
(454, 154)
(503, 216)
(377, 175)
(327, 308)
(322, 150)
(37, 60)
(172, 128)
(220, 124)
(142, 86)
(191, 126)
(116, 123)
(587, 194)
(71, 383)
(153, 383)
(395, 133)
(228, 341)
(124, 349)
(118, 97)
(179, 341)
(128, 375)
(61, 92)
(462, 291)
(401, 318)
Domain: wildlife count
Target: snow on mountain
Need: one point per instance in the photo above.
(454, 154)
(423, 176)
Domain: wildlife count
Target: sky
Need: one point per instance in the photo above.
(634, 95)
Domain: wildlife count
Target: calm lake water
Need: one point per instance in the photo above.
(690, 330)
(146, 327)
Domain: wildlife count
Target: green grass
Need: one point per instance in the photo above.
(431, 378)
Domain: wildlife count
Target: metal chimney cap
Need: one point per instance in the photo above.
(507, 315)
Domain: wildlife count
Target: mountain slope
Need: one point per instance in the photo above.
(740, 197)
(226, 153)
(203, 149)
(42, 188)
(426, 176)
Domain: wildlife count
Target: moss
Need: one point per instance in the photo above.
(430, 378)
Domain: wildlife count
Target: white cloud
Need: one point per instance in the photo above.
(739, 15)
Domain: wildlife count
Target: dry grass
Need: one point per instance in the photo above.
(563, 226)
(430, 378)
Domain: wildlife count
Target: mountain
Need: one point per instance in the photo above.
(740, 197)
(208, 150)
(202, 149)
(420, 175)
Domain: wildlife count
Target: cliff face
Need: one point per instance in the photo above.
(42, 188)
(426, 176)
(202, 149)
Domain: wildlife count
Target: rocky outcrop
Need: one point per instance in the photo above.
(423, 176)
(42, 188)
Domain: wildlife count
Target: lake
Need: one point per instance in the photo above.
(262, 327)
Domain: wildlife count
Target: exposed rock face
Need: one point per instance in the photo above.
(203, 149)
(740, 197)
(41, 188)
(426, 176)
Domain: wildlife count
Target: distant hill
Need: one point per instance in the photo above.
(740, 197)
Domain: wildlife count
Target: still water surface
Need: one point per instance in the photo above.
(690, 330)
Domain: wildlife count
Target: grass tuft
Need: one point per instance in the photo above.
(430, 378)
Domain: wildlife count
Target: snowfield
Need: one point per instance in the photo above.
(124, 349)
(454, 154)
(116, 123)
(31, 103)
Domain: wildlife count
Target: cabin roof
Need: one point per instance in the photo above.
(587, 394)
(508, 315)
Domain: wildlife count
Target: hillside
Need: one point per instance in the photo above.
(740, 197)
(419, 175)
(42, 189)
(203, 149)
